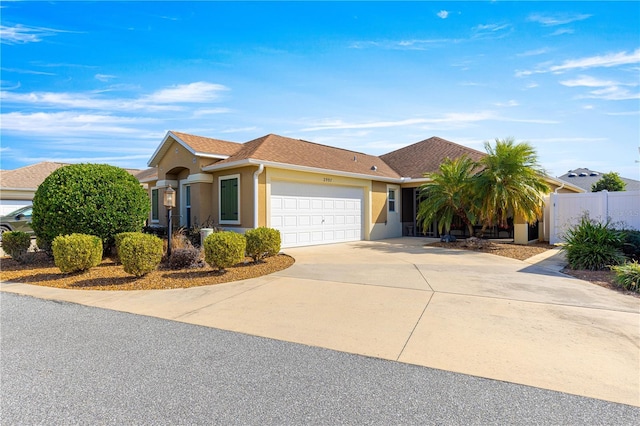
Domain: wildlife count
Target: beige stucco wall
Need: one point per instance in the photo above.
(262, 196)
(379, 202)
(178, 156)
(246, 196)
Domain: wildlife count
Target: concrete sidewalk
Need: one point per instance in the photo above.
(467, 312)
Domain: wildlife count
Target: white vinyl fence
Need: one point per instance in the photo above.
(622, 209)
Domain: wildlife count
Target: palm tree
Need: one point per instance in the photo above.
(449, 193)
(511, 182)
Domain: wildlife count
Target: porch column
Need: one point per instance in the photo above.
(520, 230)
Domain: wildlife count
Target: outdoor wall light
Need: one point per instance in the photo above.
(169, 197)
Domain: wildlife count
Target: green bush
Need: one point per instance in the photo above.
(593, 245)
(140, 253)
(95, 199)
(631, 243)
(44, 245)
(628, 276)
(224, 249)
(16, 244)
(262, 242)
(76, 252)
(120, 237)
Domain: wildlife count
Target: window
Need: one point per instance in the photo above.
(392, 200)
(154, 205)
(230, 199)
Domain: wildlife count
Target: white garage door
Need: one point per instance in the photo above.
(308, 214)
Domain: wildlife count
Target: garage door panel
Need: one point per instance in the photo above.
(323, 213)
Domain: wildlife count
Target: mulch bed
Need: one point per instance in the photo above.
(111, 276)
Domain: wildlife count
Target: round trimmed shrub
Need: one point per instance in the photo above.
(262, 242)
(76, 252)
(119, 238)
(140, 253)
(16, 244)
(95, 199)
(224, 249)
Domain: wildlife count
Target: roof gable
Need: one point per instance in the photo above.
(197, 145)
(426, 156)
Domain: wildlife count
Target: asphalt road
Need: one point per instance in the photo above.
(64, 364)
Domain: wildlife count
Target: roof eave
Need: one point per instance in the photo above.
(563, 183)
(286, 166)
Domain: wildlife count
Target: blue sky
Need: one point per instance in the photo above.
(103, 81)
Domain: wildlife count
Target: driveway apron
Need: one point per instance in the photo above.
(398, 299)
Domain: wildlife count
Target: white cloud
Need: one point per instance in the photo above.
(588, 81)
(535, 52)
(200, 91)
(413, 44)
(613, 93)
(605, 89)
(21, 71)
(562, 31)
(606, 61)
(161, 100)
(210, 111)
(558, 19)
(443, 14)
(601, 61)
(20, 34)
(70, 123)
(491, 30)
(637, 112)
(104, 77)
(510, 103)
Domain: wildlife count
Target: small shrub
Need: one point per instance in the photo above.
(140, 253)
(224, 249)
(262, 242)
(628, 276)
(189, 257)
(631, 243)
(120, 237)
(16, 244)
(76, 252)
(593, 245)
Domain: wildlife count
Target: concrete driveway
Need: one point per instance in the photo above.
(467, 312)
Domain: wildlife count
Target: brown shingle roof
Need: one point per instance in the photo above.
(201, 144)
(425, 156)
(31, 176)
(28, 177)
(279, 149)
(145, 175)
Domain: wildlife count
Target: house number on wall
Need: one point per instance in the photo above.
(327, 180)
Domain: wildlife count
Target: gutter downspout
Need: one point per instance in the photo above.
(255, 194)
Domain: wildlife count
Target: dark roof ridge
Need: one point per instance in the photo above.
(431, 139)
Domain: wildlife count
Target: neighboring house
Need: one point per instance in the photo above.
(312, 193)
(18, 186)
(585, 178)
